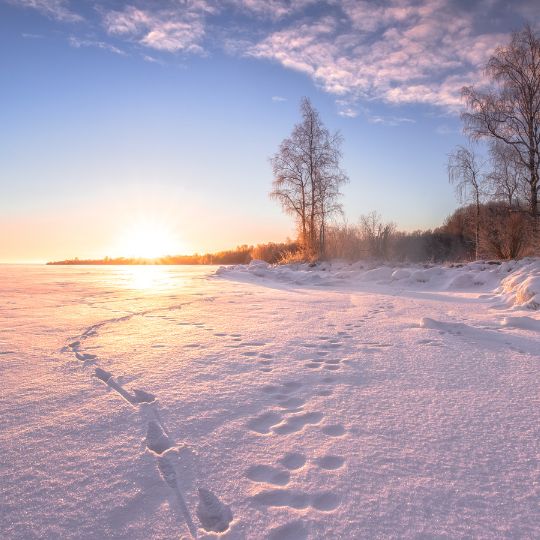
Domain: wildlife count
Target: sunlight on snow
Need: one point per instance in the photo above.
(148, 277)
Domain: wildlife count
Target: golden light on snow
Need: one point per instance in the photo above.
(147, 277)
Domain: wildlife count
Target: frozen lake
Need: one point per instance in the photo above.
(304, 403)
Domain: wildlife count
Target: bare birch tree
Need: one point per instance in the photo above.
(308, 177)
(465, 172)
(507, 178)
(510, 111)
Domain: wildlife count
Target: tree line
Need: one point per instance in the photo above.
(499, 193)
(271, 252)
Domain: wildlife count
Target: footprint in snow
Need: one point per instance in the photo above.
(312, 365)
(295, 530)
(134, 398)
(330, 462)
(85, 356)
(157, 440)
(292, 402)
(297, 422)
(264, 422)
(214, 515)
(293, 461)
(268, 475)
(299, 500)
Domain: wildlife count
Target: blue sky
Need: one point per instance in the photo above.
(167, 112)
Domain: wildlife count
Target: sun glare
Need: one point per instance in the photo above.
(148, 240)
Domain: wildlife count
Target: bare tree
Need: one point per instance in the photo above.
(376, 235)
(507, 178)
(510, 111)
(308, 177)
(465, 172)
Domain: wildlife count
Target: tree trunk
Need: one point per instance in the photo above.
(477, 239)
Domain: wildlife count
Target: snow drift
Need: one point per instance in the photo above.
(513, 283)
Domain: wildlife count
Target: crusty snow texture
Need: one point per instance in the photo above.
(255, 402)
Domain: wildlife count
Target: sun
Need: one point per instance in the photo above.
(147, 239)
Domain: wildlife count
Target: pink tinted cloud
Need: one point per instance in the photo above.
(167, 30)
(399, 51)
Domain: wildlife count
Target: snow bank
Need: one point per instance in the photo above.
(515, 283)
(522, 286)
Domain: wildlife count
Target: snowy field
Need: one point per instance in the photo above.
(338, 402)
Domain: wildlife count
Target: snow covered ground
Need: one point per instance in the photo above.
(336, 402)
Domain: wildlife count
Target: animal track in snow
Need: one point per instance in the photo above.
(295, 530)
(299, 500)
(283, 390)
(291, 402)
(293, 461)
(297, 422)
(268, 474)
(330, 462)
(312, 365)
(264, 422)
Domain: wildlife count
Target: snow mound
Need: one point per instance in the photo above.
(525, 323)
(401, 273)
(522, 286)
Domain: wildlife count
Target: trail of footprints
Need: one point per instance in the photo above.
(290, 413)
(213, 514)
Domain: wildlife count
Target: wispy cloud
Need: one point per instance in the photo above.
(77, 43)
(55, 9)
(272, 9)
(27, 35)
(152, 59)
(169, 30)
(278, 99)
(389, 120)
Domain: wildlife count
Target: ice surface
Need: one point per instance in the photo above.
(296, 402)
